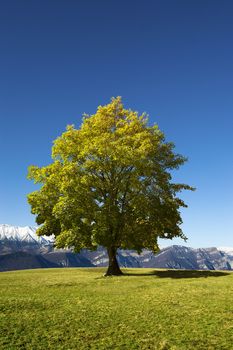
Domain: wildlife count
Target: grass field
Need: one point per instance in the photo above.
(145, 309)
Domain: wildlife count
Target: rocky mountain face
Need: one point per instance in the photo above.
(173, 257)
(21, 248)
(15, 238)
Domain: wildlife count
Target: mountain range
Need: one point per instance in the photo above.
(21, 248)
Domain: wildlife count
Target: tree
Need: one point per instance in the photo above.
(109, 184)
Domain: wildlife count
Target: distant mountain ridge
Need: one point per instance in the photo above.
(16, 238)
(227, 250)
(21, 248)
(26, 233)
(174, 257)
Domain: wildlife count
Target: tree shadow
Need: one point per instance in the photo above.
(180, 273)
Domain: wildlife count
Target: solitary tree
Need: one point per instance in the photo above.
(109, 184)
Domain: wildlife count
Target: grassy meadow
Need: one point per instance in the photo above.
(144, 309)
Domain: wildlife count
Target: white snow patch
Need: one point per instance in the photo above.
(227, 250)
(26, 234)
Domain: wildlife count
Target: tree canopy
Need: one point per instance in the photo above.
(109, 184)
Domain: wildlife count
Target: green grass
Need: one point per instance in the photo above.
(145, 309)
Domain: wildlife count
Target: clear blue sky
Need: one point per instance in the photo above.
(170, 58)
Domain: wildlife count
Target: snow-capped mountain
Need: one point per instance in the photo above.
(174, 257)
(227, 250)
(26, 233)
(16, 238)
(21, 248)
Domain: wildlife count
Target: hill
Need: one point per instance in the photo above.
(145, 309)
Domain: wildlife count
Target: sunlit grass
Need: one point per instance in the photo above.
(145, 309)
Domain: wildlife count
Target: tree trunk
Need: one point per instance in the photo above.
(113, 266)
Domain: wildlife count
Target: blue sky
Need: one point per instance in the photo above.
(171, 58)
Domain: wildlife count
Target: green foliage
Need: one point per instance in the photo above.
(109, 184)
(148, 309)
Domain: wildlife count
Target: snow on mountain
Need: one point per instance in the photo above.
(15, 239)
(174, 257)
(227, 250)
(25, 234)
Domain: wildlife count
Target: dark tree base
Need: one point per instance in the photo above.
(113, 267)
(111, 272)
